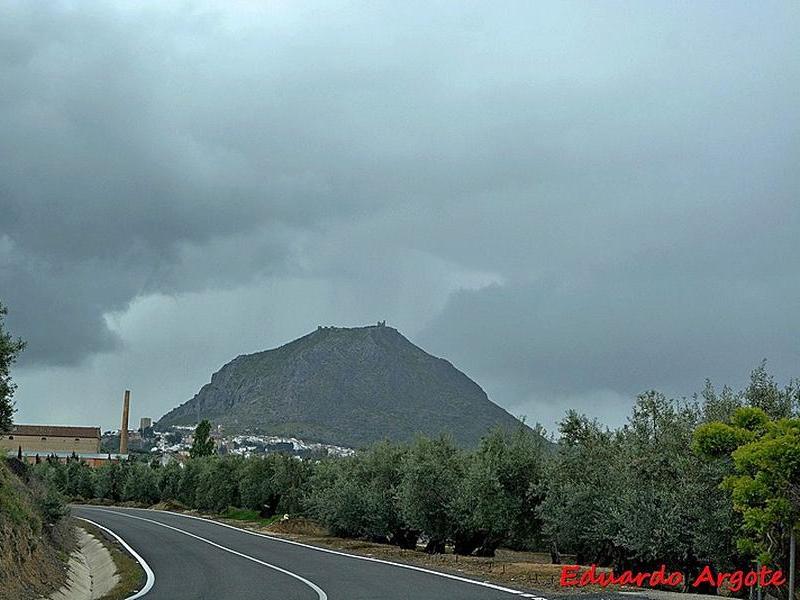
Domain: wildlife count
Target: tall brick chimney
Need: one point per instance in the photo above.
(123, 432)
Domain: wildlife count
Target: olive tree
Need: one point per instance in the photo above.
(358, 496)
(141, 484)
(432, 471)
(499, 498)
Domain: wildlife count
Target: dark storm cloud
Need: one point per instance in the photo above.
(131, 140)
(625, 175)
(621, 334)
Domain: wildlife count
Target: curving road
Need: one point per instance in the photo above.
(196, 559)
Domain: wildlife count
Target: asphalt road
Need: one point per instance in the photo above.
(194, 559)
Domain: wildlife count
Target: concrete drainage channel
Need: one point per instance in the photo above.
(92, 571)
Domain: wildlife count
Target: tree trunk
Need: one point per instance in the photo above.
(268, 508)
(488, 545)
(465, 543)
(405, 538)
(555, 555)
(435, 546)
(792, 561)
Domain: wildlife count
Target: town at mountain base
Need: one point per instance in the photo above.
(345, 386)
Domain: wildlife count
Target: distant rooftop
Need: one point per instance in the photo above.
(56, 431)
(80, 455)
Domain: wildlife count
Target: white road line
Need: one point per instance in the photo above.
(485, 584)
(151, 578)
(320, 593)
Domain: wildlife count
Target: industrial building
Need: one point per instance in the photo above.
(64, 442)
(44, 439)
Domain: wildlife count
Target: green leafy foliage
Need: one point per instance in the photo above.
(111, 480)
(53, 507)
(291, 478)
(339, 499)
(581, 491)
(141, 484)
(499, 498)
(765, 488)
(359, 496)
(660, 484)
(79, 480)
(189, 481)
(218, 484)
(10, 348)
(751, 420)
(638, 497)
(169, 481)
(719, 439)
(33, 532)
(764, 393)
(202, 444)
(258, 487)
(433, 469)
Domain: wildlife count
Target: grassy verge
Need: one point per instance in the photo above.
(131, 575)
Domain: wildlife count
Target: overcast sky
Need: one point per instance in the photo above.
(573, 202)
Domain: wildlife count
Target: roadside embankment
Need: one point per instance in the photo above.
(34, 535)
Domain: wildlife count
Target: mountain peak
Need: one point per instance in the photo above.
(346, 386)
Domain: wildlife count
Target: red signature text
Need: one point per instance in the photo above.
(571, 576)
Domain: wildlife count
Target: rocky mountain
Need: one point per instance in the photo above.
(345, 386)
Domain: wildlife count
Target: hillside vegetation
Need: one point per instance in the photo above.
(35, 538)
(345, 386)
